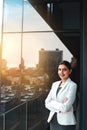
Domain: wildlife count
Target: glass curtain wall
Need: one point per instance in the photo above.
(30, 53)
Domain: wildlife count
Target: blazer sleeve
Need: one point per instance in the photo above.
(65, 107)
(54, 105)
(48, 101)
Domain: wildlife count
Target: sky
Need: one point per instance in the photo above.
(1, 1)
(31, 42)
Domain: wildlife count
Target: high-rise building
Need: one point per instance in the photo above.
(49, 60)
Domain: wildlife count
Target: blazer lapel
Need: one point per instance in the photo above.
(56, 87)
(63, 87)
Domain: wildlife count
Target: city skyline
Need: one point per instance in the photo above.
(31, 42)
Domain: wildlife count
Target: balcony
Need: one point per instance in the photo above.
(29, 114)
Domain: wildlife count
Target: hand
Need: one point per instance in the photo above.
(65, 99)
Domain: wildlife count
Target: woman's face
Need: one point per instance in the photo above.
(63, 72)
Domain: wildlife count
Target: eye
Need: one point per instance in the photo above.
(64, 69)
(59, 69)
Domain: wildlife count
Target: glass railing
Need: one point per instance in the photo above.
(28, 115)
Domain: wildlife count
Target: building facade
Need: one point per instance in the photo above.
(49, 61)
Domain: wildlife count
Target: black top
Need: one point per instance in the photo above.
(58, 90)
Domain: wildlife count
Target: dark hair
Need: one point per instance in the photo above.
(66, 63)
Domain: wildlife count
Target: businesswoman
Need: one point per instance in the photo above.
(60, 100)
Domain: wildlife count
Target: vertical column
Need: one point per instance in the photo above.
(83, 63)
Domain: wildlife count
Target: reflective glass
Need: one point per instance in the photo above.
(1, 122)
(31, 51)
(32, 19)
(16, 118)
(12, 16)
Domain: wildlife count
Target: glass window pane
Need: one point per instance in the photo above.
(11, 50)
(11, 58)
(16, 118)
(31, 51)
(1, 121)
(1, 10)
(12, 15)
(32, 19)
(34, 42)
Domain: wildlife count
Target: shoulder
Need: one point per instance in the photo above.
(56, 83)
(72, 84)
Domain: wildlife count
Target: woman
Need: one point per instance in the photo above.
(60, 100)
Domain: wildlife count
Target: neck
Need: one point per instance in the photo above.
(64, 80)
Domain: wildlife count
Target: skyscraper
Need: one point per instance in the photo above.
(49, 60)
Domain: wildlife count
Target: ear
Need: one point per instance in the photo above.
(70, 71)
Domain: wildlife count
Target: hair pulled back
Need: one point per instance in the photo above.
(66, 63)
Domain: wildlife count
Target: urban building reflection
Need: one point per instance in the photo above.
(24, 88)
(29, 85)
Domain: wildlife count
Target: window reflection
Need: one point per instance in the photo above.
(32, 20)
(12, 15)
(30, 54)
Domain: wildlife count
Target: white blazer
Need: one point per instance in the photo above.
(65, 115)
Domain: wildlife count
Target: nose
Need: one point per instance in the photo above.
(61, 71)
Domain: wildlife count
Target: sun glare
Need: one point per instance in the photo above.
(32, 42)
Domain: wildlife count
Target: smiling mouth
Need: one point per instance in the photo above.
(62, 75)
